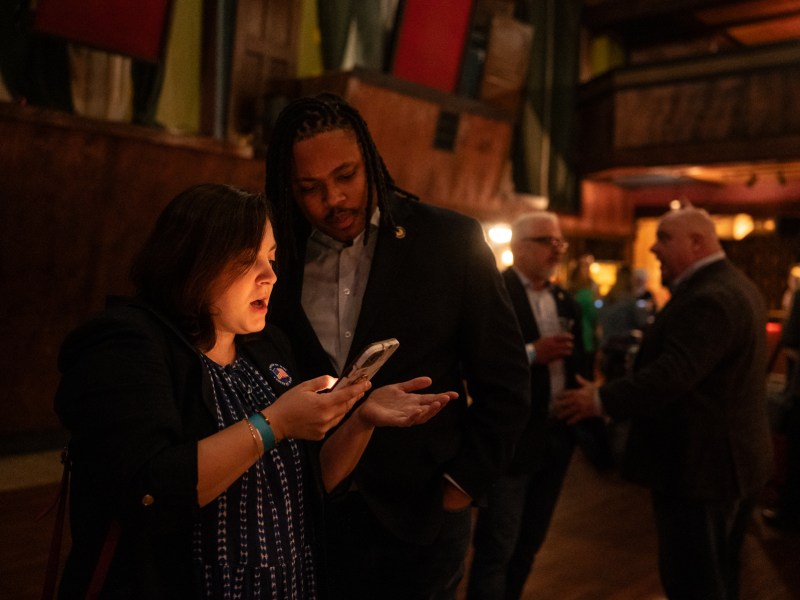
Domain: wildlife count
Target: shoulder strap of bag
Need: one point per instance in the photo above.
(104, 562)
(53, 559)
(60, 503)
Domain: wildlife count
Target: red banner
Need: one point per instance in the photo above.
(136, 29)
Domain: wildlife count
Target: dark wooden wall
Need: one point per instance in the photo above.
(767, 260)
(77, 198)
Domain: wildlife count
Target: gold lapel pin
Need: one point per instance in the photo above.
(399, 232)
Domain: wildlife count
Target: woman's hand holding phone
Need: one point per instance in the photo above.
(367, 363)
(303, 413)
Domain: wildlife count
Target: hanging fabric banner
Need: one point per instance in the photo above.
(136, 29)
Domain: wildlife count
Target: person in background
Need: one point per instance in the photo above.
(792, 285)
(190, 477)
(368, 261)
(643, 294)
(786, 515)
(584, 290)
(621, 320)
(511, 528)
(699, 436)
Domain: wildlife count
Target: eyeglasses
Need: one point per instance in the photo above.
(548, 240)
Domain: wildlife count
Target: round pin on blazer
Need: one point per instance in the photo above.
(399, 232)
(280, 374)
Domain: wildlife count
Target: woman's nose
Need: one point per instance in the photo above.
(268, 275)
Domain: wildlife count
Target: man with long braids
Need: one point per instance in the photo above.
(364, 261)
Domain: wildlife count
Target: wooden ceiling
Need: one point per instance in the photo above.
(653, 30)
(755, 22)
(642, 23)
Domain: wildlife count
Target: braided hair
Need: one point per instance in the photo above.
(302, 119)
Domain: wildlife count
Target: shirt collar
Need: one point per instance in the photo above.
(528, 284)
(694, 268)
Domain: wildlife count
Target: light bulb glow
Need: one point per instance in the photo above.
(500, 234)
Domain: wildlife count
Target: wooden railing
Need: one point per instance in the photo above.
(734, 106)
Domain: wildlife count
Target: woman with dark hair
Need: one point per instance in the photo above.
(190, 478)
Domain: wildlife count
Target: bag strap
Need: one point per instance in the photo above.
(53, 559)
(104, 561)
(60, 503)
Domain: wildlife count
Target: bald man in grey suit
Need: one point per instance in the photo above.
(699, 435)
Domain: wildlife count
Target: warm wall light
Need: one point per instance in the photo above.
(507, 258)
(500, 234)
(604, 274)
(534, 202)
(675, 205)
(497, 237)
(742, 226)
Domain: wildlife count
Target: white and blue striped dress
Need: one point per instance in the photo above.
(254, 540)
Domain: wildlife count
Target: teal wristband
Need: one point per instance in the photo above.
(264, 429)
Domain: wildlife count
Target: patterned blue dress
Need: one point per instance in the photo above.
(255, 540)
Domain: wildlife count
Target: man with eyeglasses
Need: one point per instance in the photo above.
(512, 527)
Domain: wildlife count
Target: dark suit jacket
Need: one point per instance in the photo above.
(136, 399)
(529, 449)
(697, 398)
(438, 291)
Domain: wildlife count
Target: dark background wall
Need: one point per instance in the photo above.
(78, 198)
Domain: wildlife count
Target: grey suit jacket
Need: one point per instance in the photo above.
(697, 398)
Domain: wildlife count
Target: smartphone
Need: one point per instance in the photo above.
(367, 363)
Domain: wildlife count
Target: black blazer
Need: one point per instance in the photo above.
(697, 402)
(136, 399)
(437, 290)
(531, 445)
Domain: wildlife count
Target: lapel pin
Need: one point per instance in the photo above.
(399, 232)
